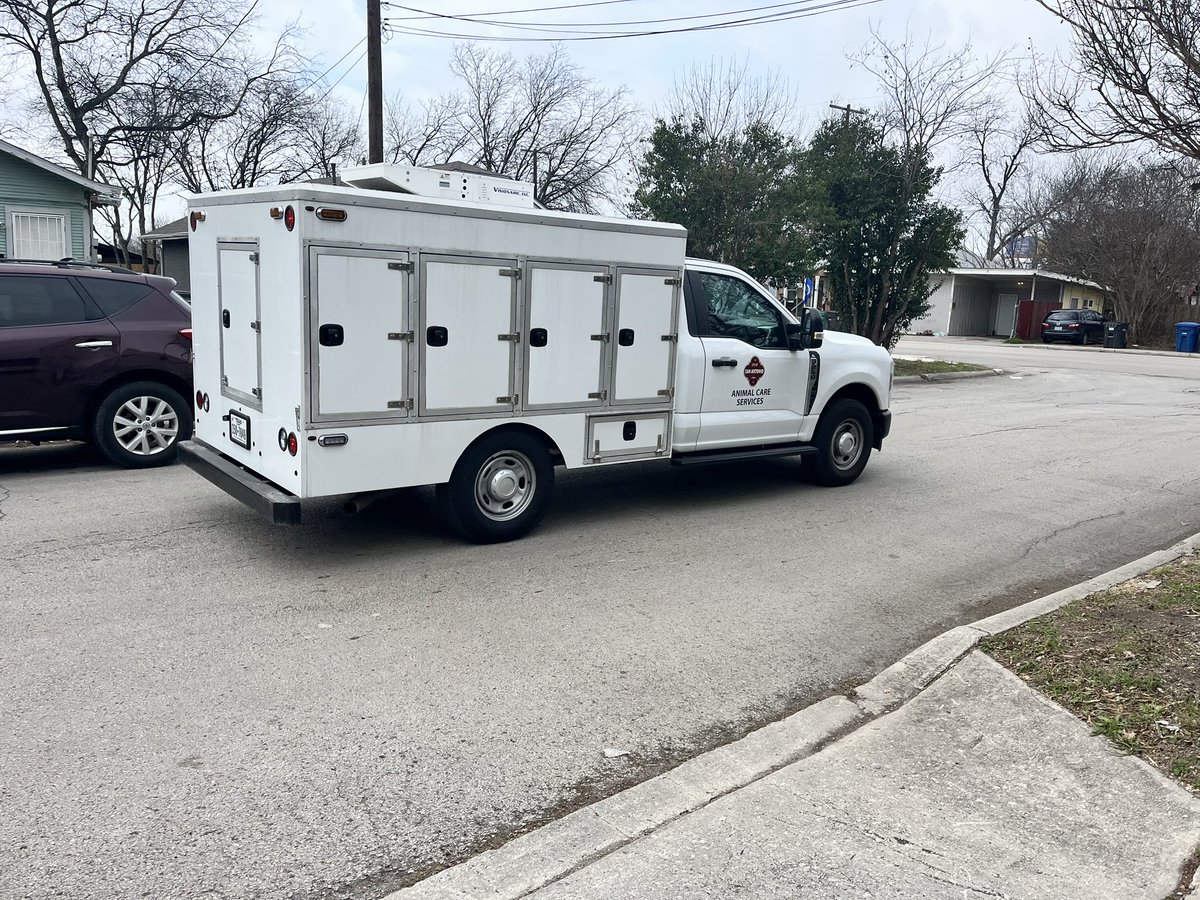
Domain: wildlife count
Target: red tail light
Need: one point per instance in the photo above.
(185, 332)
(293, 444)
(1073, 325)
(289, 218)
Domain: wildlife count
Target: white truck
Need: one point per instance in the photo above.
(356, 340)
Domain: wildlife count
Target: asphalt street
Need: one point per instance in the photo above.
(198, 704)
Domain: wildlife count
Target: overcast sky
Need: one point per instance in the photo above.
(811, 52)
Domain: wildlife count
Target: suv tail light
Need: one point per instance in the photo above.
(185, 332)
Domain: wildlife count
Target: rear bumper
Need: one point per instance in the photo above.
(270, 502)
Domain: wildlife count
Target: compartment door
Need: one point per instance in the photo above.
(644, 336)
(468, 335)
(359, 333)
(565, 336)
(239, 327)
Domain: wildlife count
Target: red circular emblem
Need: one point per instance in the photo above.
(754, 370)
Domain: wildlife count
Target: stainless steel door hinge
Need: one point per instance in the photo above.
(225, 380)
(598, 395)
(672, 338)
(603, 279)
(401, 336)
(401, 267)
(254, 258)
(673, 282)
(514, 337)
(602, 337)
(257, 326)
(512, 401)
(400, 404)
(667, 392)
(257, 392)
(510, 273)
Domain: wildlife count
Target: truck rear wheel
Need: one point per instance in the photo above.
(843, 440)
(499, 489)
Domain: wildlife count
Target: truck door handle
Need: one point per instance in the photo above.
(93, 345)
(724, 361)
(538, 337)
(331, 335)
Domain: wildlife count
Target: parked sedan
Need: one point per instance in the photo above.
(1079, 326)
(95, 353)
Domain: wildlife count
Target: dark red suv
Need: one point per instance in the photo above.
(95, 353)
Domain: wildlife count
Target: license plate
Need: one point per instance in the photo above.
(239, 429)
(1058, 328)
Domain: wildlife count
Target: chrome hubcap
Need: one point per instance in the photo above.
(145, 426)
(505, 485)
(847, 444)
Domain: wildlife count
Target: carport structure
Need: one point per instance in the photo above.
(1003, 302)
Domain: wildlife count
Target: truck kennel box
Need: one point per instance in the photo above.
(355, 340)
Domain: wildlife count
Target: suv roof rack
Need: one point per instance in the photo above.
(69, 262)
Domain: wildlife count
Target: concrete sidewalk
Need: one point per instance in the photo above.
(943, 777)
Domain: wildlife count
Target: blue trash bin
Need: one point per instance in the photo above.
(1187, 337)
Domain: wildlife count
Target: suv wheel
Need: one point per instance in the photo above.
(140, 425)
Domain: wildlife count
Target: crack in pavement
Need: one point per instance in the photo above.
(4, 495)
(107, 539)
(1056, 532)
(895, 844)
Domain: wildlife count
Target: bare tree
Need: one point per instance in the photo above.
(425, 136)
(540, 119)
(1005, 191)
(1134, 229)
(1134, 76)
(87, 55)
(327, 137)
(932, 94)
(726, 99)
(544, 120)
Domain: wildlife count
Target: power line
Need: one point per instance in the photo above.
(513, 12)
(353, 66)
(321, 77)
(532, 26)
(772, 18)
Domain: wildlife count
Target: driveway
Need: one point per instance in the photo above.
(197, 704)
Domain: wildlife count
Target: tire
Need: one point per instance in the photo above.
(139, 425)
(500, 488)
(843, 440)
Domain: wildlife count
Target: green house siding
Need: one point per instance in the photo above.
(28, 187)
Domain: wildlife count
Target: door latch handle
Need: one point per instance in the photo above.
(724, 361)
(93, 345)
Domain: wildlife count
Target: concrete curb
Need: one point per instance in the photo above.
(945, 376)
(549, 854)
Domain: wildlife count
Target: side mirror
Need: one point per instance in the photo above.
(808, 333)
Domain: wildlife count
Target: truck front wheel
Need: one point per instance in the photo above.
(499, 489)
(843, 440)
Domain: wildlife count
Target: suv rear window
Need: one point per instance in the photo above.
(1064, 315)
(112, 295)
(39, 300)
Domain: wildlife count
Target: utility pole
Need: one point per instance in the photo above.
(374, 83)
(846, 110)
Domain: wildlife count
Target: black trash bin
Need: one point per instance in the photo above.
(1116, 334)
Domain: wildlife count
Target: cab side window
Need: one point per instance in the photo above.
(39, 300)
(736, 310)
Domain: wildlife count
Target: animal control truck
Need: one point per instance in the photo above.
(437, 328)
